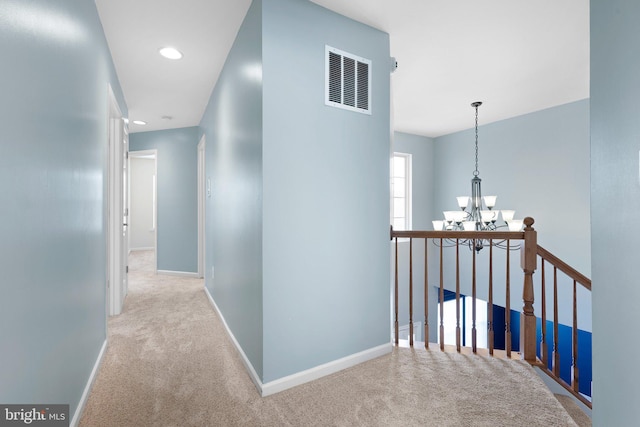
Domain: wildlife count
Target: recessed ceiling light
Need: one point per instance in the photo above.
(170, 53)
(139, 122)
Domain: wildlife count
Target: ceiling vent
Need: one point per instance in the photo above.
(348, 81)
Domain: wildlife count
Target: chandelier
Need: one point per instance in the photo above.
(477, 213)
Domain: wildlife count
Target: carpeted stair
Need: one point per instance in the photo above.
(574, 410)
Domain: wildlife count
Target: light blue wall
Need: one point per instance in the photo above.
(282, 246)
(326, 194)
(177, 194)
(232, 124)
(615, 203)
(537, 164)
(53, 143)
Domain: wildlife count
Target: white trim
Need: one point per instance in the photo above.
(343, 54)
(408, 189)
(301, 377)
(106, 210)
(126, 173)
(87, 389)
(201, 205)
(179, 273)
(116, 243)
(245, 360)
(320, 371)
(151, 248)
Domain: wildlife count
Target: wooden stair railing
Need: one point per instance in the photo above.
(530, 252)
(547, 258)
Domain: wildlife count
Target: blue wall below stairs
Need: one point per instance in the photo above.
(565, 347)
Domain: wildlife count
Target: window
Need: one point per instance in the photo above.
(401, 191)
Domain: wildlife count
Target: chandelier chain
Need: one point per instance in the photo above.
(476, 172)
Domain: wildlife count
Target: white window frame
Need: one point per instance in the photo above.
(407, 190)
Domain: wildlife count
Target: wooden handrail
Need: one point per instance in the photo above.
(462, 235)
(575, 277)
(454, 238)
(530, 251)
(564, 267)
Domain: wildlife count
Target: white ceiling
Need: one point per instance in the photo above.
(517, 56)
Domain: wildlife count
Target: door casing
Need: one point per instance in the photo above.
(201, 206)
(116, 210)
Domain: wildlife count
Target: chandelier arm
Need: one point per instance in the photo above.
(474, 243)
(449, 243)
(502, 245)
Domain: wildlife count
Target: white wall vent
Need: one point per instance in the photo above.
(347, 81)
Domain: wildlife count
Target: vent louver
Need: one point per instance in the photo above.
(348, 81)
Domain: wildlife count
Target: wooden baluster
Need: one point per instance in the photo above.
(474, 347)
(426, 294)
(441, 300)
(576, 377)
(458, 295)
(529, 253)
(507, 304)
(556, 353)
(396, 297)
(490, 302)
(543, 298)
(410, 292)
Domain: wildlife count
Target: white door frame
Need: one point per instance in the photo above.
(201, 206)
(150, 154)
(116, 215)
(125, 214)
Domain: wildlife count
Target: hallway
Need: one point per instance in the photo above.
(155, 368)
(170, 362)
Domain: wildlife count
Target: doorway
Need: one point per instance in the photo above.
(143, 206)
(116, 208)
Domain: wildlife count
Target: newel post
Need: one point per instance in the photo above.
(529, 258)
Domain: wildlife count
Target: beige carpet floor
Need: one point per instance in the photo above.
(170, 363)
(569, 404)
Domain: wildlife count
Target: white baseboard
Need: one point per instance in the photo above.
(245, 360)
(150, 248)
(87, 389)
(320, 371)
(302, 377)
(179, 273)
